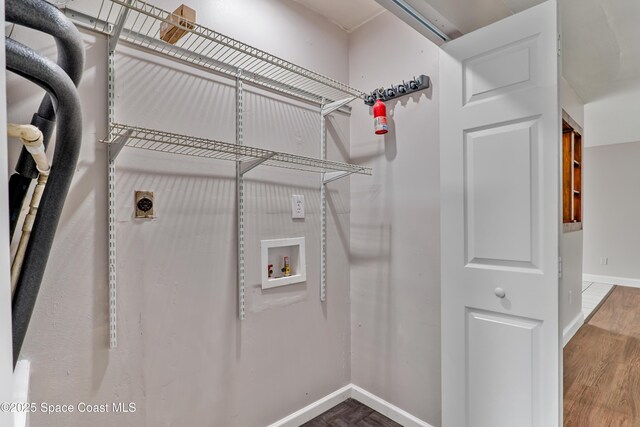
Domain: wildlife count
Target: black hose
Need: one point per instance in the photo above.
(29, 64)
(42, 16)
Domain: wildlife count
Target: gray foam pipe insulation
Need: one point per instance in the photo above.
(65, 103)
(42, 16)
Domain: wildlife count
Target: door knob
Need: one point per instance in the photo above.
(500, 293)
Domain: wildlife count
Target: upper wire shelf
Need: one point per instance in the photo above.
(209, 49)
(167, 142)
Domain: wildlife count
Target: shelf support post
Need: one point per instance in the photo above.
(326, 177)
(323, 207)
(240, 193)
(112, 152)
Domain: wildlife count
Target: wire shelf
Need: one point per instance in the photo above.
(211, 50)
(167, 142)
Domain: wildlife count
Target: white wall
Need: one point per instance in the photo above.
(571, 102)
(611, 227)
(613, 119)
(395, 224)
(184, 357)
(571, 242)
(6, 354)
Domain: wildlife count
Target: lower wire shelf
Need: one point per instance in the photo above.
(173, 143)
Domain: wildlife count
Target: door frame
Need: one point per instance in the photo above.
(6, 344)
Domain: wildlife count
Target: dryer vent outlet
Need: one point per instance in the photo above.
(144, 204)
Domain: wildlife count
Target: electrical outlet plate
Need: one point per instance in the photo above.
(144, 203)
(297, 206)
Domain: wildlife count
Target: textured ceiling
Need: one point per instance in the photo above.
(601, 45)
(347, 14)
(600, 38)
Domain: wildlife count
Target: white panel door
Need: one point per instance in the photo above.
(500, 151)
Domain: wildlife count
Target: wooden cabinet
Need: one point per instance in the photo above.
(571, 174)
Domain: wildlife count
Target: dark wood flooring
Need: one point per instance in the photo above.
(602, 365)
(351, 413)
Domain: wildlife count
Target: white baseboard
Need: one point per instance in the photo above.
(387, 409)
(612, 280)
(316, 408)
(572, 328)
(21, 390)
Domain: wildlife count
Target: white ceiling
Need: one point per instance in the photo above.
(601, 49)
(347, 14)
(600, 38)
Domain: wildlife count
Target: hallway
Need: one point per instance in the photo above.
(602, 365)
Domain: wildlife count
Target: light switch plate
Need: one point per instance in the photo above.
(297, 206)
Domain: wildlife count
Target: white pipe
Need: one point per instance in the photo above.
(27, 226)
(31, 137)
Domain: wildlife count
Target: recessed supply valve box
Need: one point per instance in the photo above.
(285, 258)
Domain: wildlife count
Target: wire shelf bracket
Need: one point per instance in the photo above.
(117, 28)
(333, 176)
(247, 166)
(336, 105)
(117, 145)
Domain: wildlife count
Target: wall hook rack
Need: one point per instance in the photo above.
(395, 91)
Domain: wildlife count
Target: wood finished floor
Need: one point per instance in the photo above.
(351, 413)
(602, 365)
